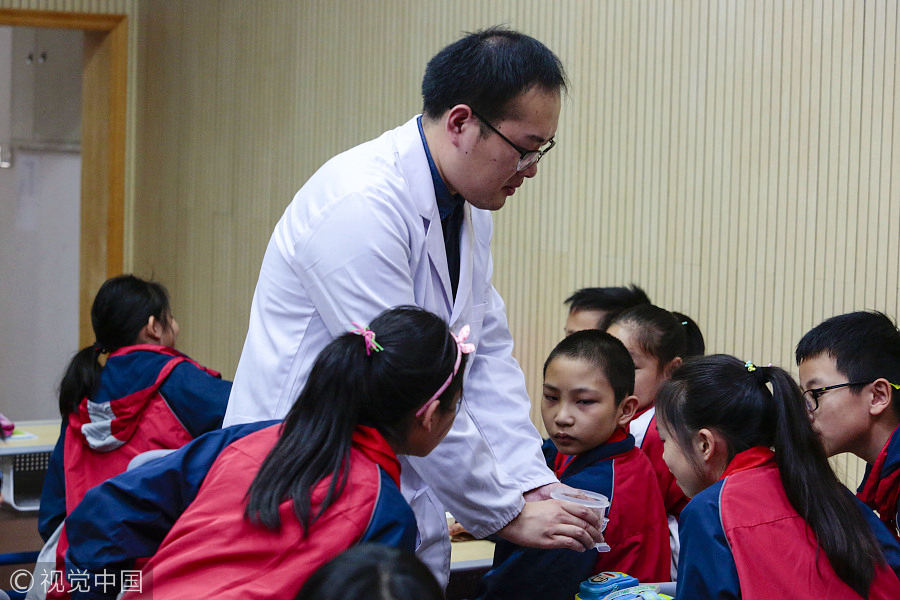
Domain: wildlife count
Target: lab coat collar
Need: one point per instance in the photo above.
(413, 163)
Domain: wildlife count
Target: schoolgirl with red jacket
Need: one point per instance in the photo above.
(251, 511)
(768, 518)
(147, 396)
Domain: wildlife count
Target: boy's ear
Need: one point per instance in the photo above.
(626, 410)
(883, 394)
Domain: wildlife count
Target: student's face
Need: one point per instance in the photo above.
(487, 174)
(842, 418)
(648, 374)
(578, 407)
(680, 465)
(581, 320)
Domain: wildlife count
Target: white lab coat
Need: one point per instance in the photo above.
(363, 235)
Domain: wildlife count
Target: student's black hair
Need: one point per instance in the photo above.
(348, 387)
(721, 393)
(657, 331)
(693, 336)
(122, 307)
(486, 69)
(603, 351)
(864, 345)
(611, 300)
(374, 572)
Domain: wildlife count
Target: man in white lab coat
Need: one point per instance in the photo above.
(405, 219)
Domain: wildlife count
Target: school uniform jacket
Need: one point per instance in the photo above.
(187, 511)
(150, 397)
(636, 532)
(363, 235)
(741, 538)
(880, 487)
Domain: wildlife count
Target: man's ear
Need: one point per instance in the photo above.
(626, 410)
(458, 119)
(883, 394)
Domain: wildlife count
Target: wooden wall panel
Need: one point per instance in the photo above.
(739, 160)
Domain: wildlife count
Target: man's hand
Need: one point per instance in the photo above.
(554, 524)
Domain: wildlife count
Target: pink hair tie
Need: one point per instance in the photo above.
(368, 337)
(462, 347)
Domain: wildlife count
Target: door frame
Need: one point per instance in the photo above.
(103, 126)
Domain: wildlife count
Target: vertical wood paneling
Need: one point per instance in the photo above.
(739, 160)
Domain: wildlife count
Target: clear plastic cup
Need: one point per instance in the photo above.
(597, 502)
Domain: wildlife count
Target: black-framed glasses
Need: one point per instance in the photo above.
(527, 158)
(812, 395)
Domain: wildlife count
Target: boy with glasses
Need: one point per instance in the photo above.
(850, 374)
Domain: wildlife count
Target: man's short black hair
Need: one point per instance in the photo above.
(486, 69)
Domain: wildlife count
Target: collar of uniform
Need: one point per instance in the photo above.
(618, 443)
(751, 458)
(371, 443)
(879, 489)
(446, 201)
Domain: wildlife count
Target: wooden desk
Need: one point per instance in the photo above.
(469, 561)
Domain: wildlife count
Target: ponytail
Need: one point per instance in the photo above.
(80, 380)
(122, 307)
(351, 385)
(815, 492)
(720, 392)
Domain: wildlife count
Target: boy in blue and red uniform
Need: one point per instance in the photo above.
(587, 404)
(850, 374)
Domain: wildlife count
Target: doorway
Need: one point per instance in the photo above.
(102, 171)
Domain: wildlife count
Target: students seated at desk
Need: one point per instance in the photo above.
(146, 396)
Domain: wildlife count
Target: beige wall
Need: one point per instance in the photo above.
(739, 160)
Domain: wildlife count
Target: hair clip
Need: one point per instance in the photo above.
(368, 337)
(684, 322)
(750, 366)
